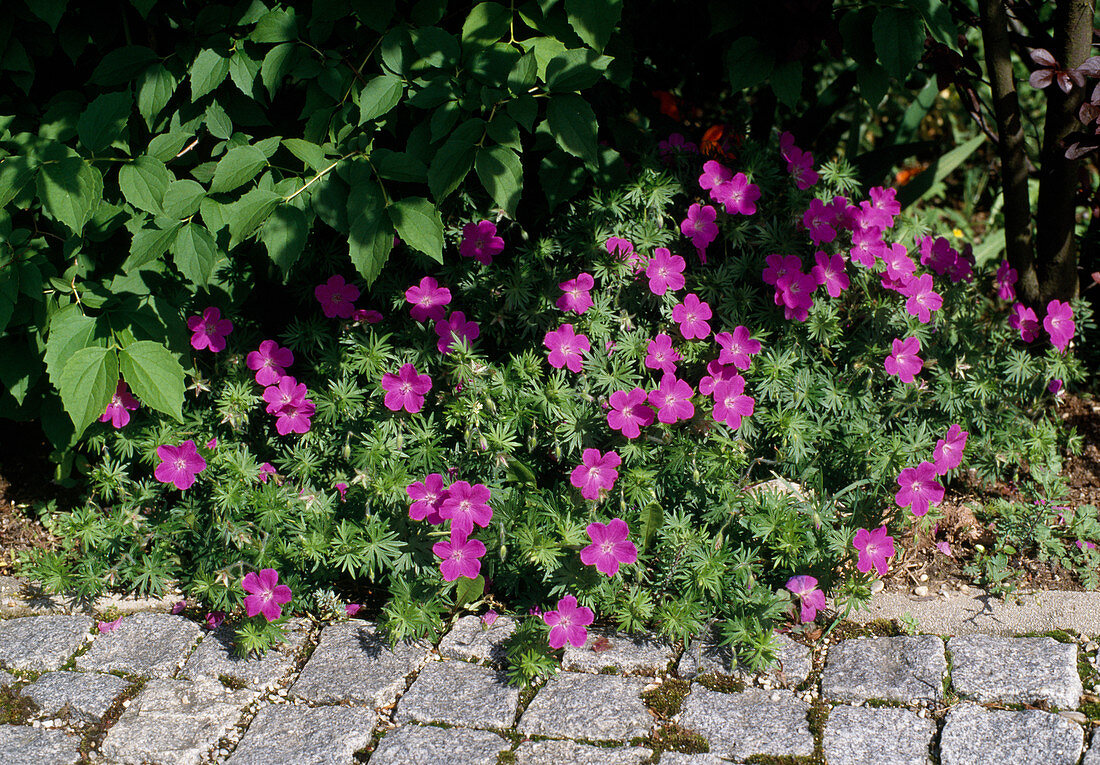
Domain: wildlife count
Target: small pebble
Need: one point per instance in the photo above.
(924, 577)
(876, 586)
(1091, 646)
(775, 696)
(921, 591)
(1077, 717)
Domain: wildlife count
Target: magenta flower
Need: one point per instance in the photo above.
(874, 548)
(629, 412)
(209, 330)
(800, 163)
(178, 607)
(716, 373)
(949, 450)
(597, 472)
(568, 623)
(883, 206)
(267, 595)
(295, 417)
(778, 266)
(269, 362)
(1024, 320)
(489, 617)
(428, 299)
(738, 348)
(266, 470)
(466, 505)
(672, 399)
(1005, 281)
(122, 403)
(867, 246)
(108, 626)
(406, 389)
(566, 347)
(922, 298)
(811, 598)
(623, 250)
(794, 291)
(692, 315)
(480, 241)
(337, 298)
(676, 143)
(730, 403)
(904, 361)
(830, 272)
(609, 547)
(699, 225)
(342, 490)
(351, 609)
(179, 465)
(900, 268)
(576, 297)
(661, 355)
(460, 556)
(919, 488)
(427, 496)
(819, 219)
(714, 175)
(665, 271)
(366, 316)
(287, 394)
(737, 195)
(1059, 324)
(1055, 387)
(214, 619)
(453, 327)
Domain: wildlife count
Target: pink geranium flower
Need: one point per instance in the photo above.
(427, 496)
(672, 399)
(778, 266)
(1059, 324)
(661, 355)
(104, 627)
(904, 361)
(295, 418)
(623, 250)
(610, 547)
(811, 598)
(699, 226)
(716, 372)
(565, 348)
(819, 219)
(576, 298)
(597, 472)
(1005, 281)
(406, 389)
(209, 330)
(665, 271)
(874, 547)
(919, 488)
(737, 196)
(122, 403)
(737, 348)
(453, 327)
(266, 470)
(480, 241)
(214, 619)
(949, 450)
(267, 595)
(692, 315)
(287, 394)
(337, 297)
(629, 412)
(428, 299)
(179, 465)
(730, 403)
(366, 316)
(1024, 320)
(269, 362)
(466, 505)
(714, 175)
(900, 268)
(922, 298)
(460, 556)
(830, 272)
(568, 622)
(351, 609)
(794, 291)
(800, 163)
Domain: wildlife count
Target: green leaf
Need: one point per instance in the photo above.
(748, 63)
(487, 23)
(9, 293)
(310, 153)
(167, 146)
(438, 48)
(501, 174)
(899, 40)
(275, 67)
(575, 70)
(560, 177)
(573, 125)
(937, 171)
(70, 330)
(418, 223)
(86, 384)
(236, 168)
(399, 166)
(544, 49)
(16, 172)
(454, 159)
(207, 72)
(121, 65)
(378, 96)
(786, 81)
(503, 130)
(182, 198)
(149, 244)
(939, 19)
(594, 20)
(243, 70)
(103, 121)
(49, 11)
(370, 237)
(873, 81)
(523, 110)
(195, 253)
(155, 88)
(284, 235)
(275, 27)
(249, 212)
(218, 122)
(143, 183)
(524, 74)
(468, 590)
(70, 190)
(154, 375)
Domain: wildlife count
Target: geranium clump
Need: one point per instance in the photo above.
(179, 465)
(122, 403)
(209, 330)
(266, 596)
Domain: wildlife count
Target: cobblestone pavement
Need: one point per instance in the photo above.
(160, 689)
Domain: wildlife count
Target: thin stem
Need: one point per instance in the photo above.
(321, 174)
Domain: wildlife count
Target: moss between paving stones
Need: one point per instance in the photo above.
(720, 683)
(670, 737)
(95, 733)
(667, 698)
(875, 628)
(15, 709)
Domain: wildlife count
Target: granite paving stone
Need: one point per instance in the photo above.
(426, 745)
(859, 735)
(86, 695)
(1015, 670)
(628, 655)
(1092, 757)
(793, 662)
(216, 657)
(41, 643)
(594, 707)
(901, 668)
(739, 725)
(354, 662)
(459, 693)
(147, 644)
(24, 745)
(286, 734)
(470, 639)
(175, 722)
(679, 758)
(973, 734)
(557, 752)
(6, 678)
